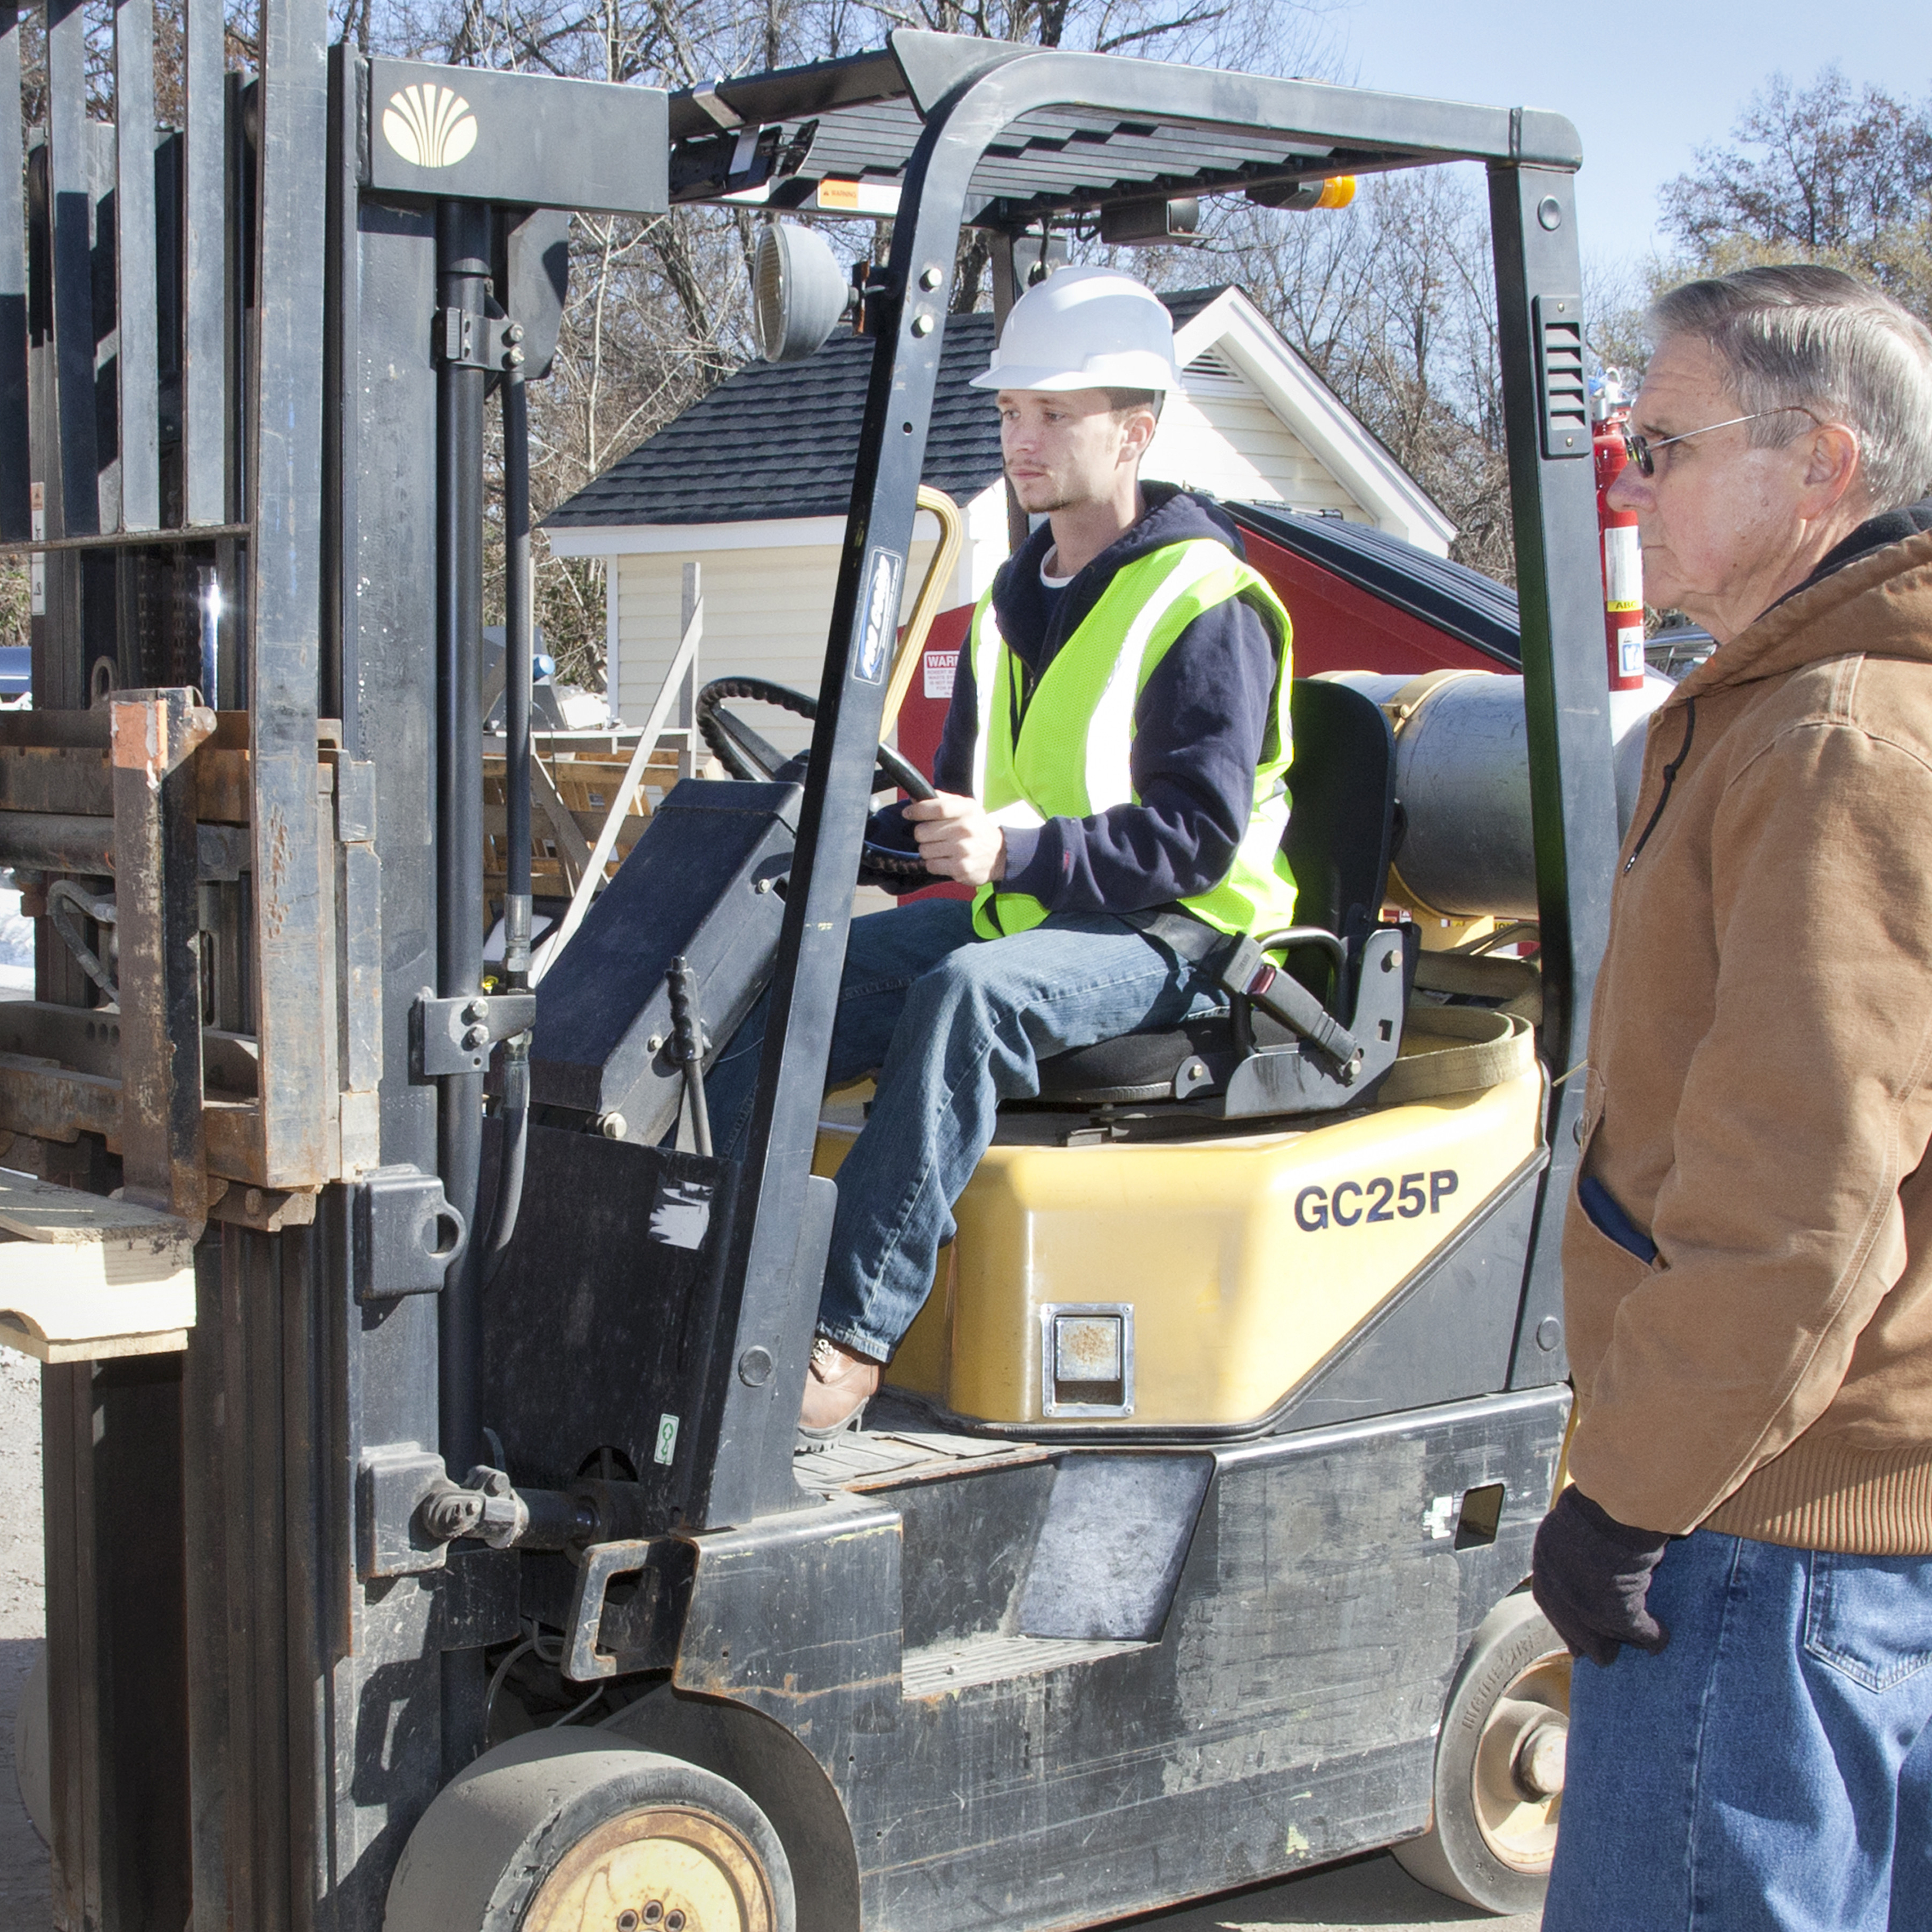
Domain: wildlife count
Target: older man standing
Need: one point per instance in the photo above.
(1743, 1567)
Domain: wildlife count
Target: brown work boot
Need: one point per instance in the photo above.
(837, 1388)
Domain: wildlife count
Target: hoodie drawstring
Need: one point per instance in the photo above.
(1670, 772)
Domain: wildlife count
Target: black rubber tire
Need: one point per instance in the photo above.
(33, 1760)
(482, 1854)
(1455, 1856)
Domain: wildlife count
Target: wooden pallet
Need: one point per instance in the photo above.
(573, 779)
(83, 1277)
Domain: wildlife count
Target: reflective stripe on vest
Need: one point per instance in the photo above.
(1073, 757)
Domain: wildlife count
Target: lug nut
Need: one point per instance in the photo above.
(1541, 1759)
(674, 1921)
(628, 1921)
(654, 1913)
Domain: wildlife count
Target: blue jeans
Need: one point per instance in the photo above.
(1772, 1770)
(952, 1026)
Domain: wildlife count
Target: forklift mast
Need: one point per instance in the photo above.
(245, 352)
(247, 348)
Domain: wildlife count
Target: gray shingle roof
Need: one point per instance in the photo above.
(776, 441)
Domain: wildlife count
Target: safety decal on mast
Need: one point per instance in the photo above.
(882, 615)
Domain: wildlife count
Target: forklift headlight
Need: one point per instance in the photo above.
(799, 294)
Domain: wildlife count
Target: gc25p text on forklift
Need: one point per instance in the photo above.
(426, 1545)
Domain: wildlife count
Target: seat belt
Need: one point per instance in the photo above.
(1237, 963)
(1490, 1048)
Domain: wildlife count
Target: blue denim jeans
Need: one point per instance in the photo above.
(952, 1026)
(1772, 1770)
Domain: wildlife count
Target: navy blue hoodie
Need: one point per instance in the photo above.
(1199, 726)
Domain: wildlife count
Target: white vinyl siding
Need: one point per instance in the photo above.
(766, 613)
(1221, 435)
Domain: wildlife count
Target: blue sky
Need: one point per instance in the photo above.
(1645, 81)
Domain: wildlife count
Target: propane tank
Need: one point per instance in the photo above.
(1622, 557)
(1462, 772)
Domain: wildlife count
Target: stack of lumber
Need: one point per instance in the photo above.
(83, 1277)
(574, 778)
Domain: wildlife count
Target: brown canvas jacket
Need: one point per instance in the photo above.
(1760, 1091)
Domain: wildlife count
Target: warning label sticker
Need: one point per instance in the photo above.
(940, 667)
(1623, 570)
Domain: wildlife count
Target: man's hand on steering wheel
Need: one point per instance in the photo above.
(957, 840)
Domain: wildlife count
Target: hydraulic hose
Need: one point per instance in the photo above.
(688, 1046)
(518, 648)
(463, 276)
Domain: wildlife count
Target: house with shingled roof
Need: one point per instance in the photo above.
(752, 483)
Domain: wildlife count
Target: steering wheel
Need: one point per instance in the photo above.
(745, 754)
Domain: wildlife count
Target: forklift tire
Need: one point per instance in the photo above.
(1499, 1757)
(33, 1758)
(562, 1829)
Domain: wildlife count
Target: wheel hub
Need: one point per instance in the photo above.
(1538, 1766)
(1518, 1777)
(660, 1869)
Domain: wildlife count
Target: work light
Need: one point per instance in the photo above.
(799, 294)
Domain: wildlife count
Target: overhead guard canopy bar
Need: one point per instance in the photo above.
(1164, 129)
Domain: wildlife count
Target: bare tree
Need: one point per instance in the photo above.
(14, 601)
(1392, 300)
(1827, 173)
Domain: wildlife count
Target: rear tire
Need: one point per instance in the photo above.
(33, 1762)
(1499, 1763)
(558, 1830)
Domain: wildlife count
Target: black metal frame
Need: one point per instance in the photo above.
(263, 1585)
(1531, 158)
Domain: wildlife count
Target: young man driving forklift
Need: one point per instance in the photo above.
(1117, 741)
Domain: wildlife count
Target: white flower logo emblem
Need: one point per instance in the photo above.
(429, 126)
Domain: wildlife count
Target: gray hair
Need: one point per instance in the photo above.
(1799, 336)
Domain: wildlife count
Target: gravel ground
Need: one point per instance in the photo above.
(1371, 1894)
(24, 1905)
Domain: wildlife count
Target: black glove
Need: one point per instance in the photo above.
(1590, 1576)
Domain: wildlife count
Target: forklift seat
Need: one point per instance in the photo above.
(1338, 842)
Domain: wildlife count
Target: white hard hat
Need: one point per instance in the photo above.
(1085, 329)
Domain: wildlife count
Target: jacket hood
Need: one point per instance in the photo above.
(1173, 516)
(1891, 585)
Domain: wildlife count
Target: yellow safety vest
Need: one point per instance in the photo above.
(1071, 755)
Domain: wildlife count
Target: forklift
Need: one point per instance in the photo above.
(426, 1544)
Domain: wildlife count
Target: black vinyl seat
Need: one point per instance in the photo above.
(1338, 842)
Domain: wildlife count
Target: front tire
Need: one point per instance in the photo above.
(1499, 1766)
(555, 1831)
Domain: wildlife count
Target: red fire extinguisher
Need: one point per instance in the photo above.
(1622, 558)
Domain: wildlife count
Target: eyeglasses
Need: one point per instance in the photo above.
(1642, 451)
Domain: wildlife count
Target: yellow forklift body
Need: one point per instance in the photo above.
(1193, 1281)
